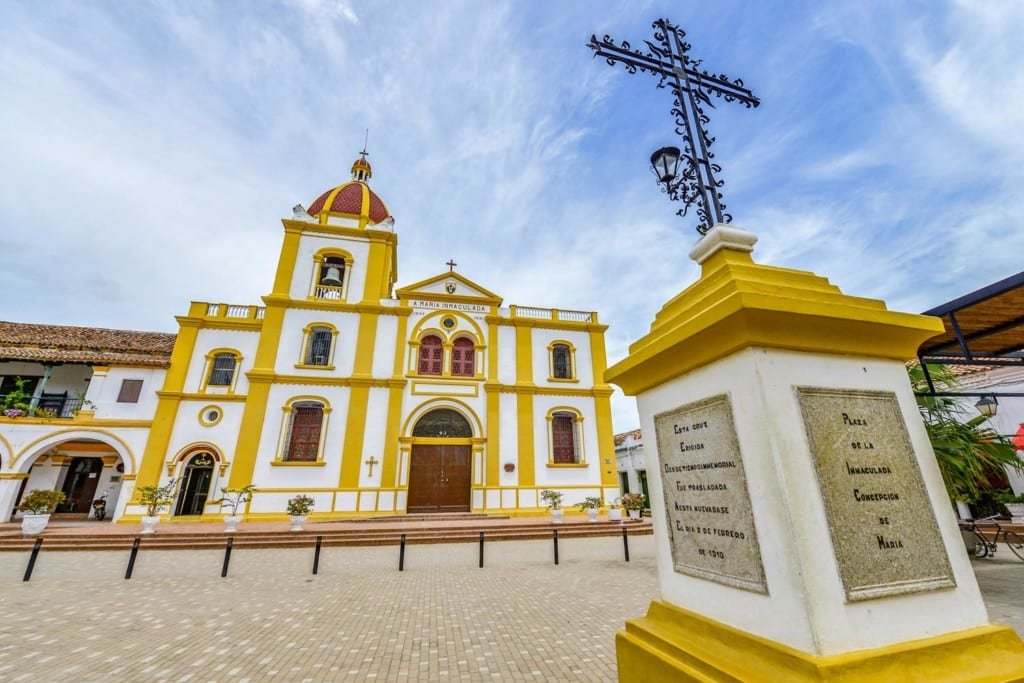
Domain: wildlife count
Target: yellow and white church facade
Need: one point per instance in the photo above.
(371, 399)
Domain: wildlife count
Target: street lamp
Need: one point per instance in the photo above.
(664, 164)
(987, 406)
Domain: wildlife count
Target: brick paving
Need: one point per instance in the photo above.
(519, 619)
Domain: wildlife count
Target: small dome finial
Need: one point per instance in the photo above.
(361, 169)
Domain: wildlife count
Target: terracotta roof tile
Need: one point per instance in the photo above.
(93, 345)
(621, 438)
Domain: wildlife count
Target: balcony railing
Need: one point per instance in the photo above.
(553, 314)
(51, 407)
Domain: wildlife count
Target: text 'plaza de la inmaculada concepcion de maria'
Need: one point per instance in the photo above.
(371, 399)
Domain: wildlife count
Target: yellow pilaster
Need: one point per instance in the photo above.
(167, 405)
(524, 405)
(389, 464)
(380, 265)
(493, 409)
(603, 409)
(359, 398)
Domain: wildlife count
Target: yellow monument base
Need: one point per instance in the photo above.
(673, 644)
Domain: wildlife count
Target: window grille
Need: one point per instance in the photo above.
(223, 370)
(431, 355)
(463, 358)
(561, 361)
(319, 351)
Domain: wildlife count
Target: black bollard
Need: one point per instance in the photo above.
(227, 558)
(481, 550)
(316, 554)
(401, 553)
(131, 558)
(556, 546)
(32, 559)
(625, 543)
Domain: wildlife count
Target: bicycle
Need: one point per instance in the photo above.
(977, 540)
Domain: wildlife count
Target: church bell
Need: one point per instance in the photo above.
(332, 278)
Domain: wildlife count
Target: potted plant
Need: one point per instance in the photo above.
(553, 500)
(17, 403)
(299, 508)
(1014, 504)
(634, 504)
(37, 506)
(233, 499)
(592, 505)
(155, 498)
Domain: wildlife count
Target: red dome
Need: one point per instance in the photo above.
(354, 198)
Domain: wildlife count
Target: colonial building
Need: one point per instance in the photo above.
(430, 397)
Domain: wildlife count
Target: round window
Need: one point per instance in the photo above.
(449, 323)
(210, 415)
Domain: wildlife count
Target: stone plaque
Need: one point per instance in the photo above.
(707, 507)
(883, 528)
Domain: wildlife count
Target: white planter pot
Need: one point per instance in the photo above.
(634, 514)
(297, 522)
(614, 514)
(231, 523)
(1016, 511)
(34, 524)
(557, 516)
(592, 514)
(149, 524)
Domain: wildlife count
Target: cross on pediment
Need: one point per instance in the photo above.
(451, 265)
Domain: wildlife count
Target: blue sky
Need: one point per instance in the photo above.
(149, 149)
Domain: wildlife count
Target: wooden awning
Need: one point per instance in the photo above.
(985, 327)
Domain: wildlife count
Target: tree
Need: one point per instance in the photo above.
(967, 450)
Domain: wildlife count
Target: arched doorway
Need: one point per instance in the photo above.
(440, 469)
(195, 485)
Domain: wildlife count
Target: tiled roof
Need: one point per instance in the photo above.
(93, 345)
(621, 438)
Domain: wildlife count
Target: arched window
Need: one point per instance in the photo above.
(431, 355)
(564, 441)
(222, 370)
(331, 278)
(304, 432)
(443, 423)
(561, 361)
(463, 357)
(318, 349)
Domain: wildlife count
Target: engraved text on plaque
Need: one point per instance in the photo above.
(710, 522)
(883, 527)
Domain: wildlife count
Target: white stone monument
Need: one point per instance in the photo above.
(803, 529)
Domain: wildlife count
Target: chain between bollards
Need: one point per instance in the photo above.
(227, 558)
(556, 545)
(131, 558)
(481, 550)
(316, 554)
(625, 542)
(401, 553)
(32, 559)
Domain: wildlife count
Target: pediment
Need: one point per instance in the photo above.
(449, 287)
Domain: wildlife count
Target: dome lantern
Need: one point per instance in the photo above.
(351, 200)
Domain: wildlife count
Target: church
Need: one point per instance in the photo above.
(371, 398)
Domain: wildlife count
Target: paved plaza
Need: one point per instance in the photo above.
(518, 619)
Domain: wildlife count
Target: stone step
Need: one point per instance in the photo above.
(308, 538)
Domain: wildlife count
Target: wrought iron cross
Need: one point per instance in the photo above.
(451, 265)
(668, 59)
(371, 462)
